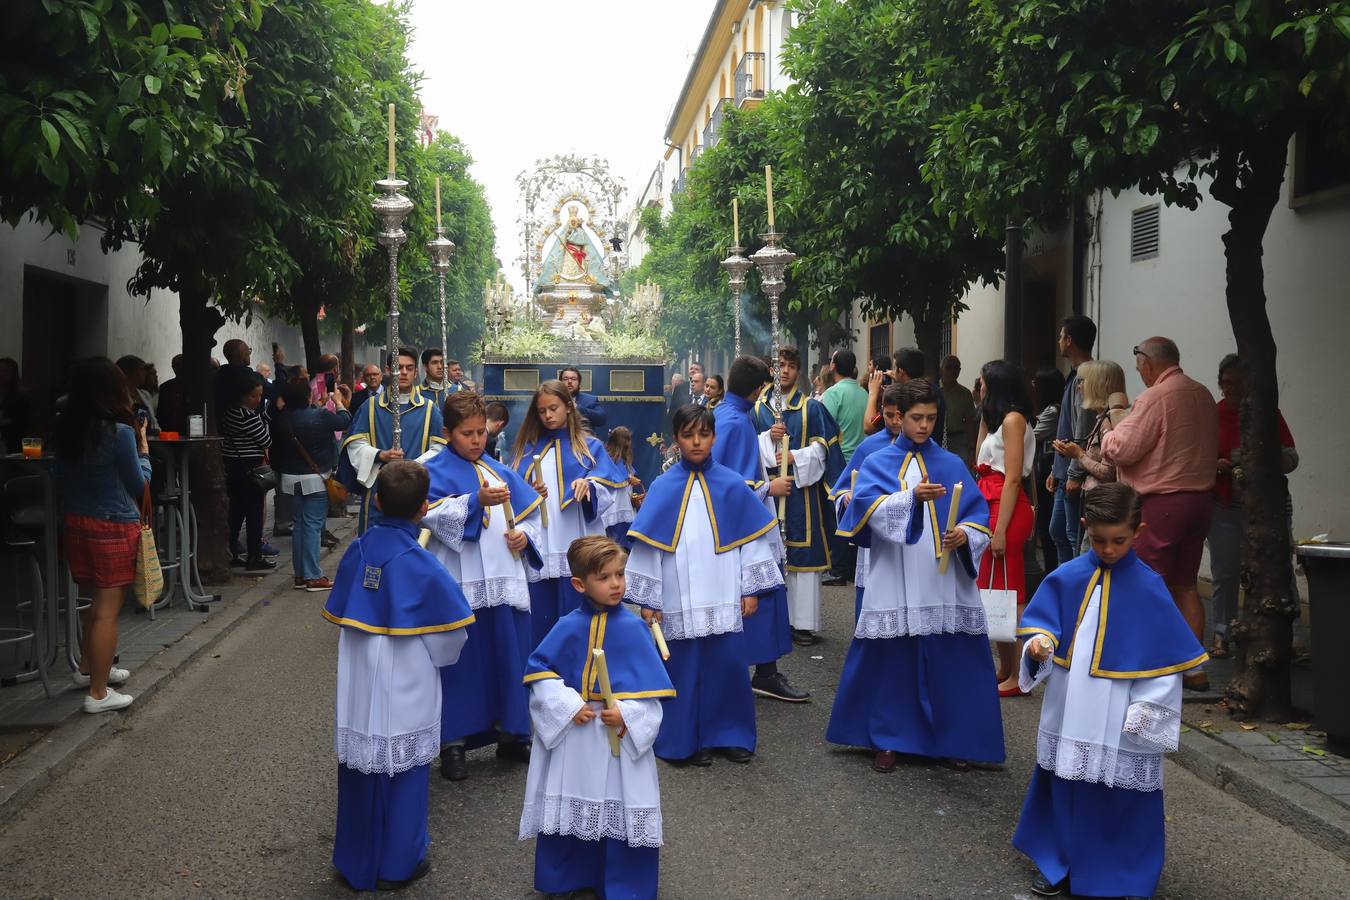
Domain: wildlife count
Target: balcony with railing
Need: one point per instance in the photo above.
(714, 125)
(678, 187)
(749, 79)
(695, 153)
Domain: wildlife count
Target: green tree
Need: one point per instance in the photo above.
(1179, 97)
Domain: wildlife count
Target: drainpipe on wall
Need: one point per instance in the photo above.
(1079, 254)
(1012, 294)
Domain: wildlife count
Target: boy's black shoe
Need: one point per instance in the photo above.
(778, 687)
(422, 869)
(514, 750)
(259, 566)
(702, 759)
(804, 638)
(737, 754)
(453, 765)
(237, 561)
(835, 581)
(1042, 886)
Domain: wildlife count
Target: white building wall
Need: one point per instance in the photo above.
(1180, 294)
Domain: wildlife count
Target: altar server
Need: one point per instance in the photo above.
(816, 462)
(918, 678)
(484, 522)
(369, 442)
(402, 616)
(628, 498)
(592, 800)
(572, 472)
(702, 560)
(842, 492)
(768, 634)
(1109, 642)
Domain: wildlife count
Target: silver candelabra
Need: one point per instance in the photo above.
(772, 262)
(391, 208)
(440, 250)
(736, 266)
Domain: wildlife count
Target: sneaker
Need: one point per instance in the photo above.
(299, 583)
(238, 562)
(111, 700)
(268, 550)
(1041, 885)
(804, 638)
(259, 567)
(316, 585)
(778, 687)
(115, 676)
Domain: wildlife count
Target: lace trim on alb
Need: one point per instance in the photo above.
(1075, 760)
(759, 577)
(1156, 727)
(449, 525)
(617, 514)
(510, 591)
(890, 623)
(899, 508)
(860, 570)
(643, 590)
(701, 622)
(592, 820)
(372, 754)
(555, 566)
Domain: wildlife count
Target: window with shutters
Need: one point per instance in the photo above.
(1144, 232)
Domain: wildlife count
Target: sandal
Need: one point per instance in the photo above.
(1219, 650)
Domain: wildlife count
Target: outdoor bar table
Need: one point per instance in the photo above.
(44, 621)
(180, 552)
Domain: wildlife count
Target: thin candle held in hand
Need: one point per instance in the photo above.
(391, 140)
(768, 191)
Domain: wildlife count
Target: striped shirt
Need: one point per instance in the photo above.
(245, 433)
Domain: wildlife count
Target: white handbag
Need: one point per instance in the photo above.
(1000, 609)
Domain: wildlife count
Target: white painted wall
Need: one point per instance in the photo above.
(1180, 294)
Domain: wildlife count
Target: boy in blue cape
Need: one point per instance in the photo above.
(369, 442)
(768, 633)
(813, 440)
(701, 563)
(594, 809)
(919, 678)
(402, 617)
(1109, 641)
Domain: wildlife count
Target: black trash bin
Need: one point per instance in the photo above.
(1328, 570)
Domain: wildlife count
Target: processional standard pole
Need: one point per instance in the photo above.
(439, 250)
(772, 262)
(736, 266)
(391, 208)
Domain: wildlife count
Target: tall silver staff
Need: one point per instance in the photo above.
(391, 208)
(439, 250)
(772, 262)
(736, 266)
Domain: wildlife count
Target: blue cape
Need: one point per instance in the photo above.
(870, 444)
(452, 475)
(374, 421)
(738, 517)
(880, 477)
(635, 668)
(1140, 631)
(387, 584)
(601, 469)
(737, 444)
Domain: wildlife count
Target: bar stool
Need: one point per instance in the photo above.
(22, 528)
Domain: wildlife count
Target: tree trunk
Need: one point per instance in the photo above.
(928, 335)
(199, 322)
(348, 352)
(1264, 632)
(307, 303)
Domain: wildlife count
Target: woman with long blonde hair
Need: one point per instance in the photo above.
(1103, 384)
(576, 477)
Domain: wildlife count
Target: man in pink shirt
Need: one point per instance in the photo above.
(1165, 449)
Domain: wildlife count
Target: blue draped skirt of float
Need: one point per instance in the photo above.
(1108, 841)
(381, 825)
(484, 691)
(713, 705)
(930, 695)
(610, 868)
(768, 633)
(550, 600)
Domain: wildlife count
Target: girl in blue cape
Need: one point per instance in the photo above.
(595, 812)
(402, 617)
(572, 472)
(484, 522)
(628, 498)
(701, 561)
(1106, 637)
(919, 678)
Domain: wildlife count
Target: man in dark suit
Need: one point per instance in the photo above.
(587, 405)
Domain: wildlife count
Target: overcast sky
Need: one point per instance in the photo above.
(504, 77)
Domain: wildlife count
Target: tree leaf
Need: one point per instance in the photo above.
(1241, 8)
(159, 34)
(1148, 136)
(152, 84)
(91, 26)
(1231, 49)
(1167, 85)
(1306, 85)
(191, 32)
(71, 131)
(53, 139)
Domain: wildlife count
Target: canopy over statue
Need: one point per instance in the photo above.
(574, 258)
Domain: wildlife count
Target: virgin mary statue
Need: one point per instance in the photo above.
(574, 258)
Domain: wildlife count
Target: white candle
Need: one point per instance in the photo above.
(735, 223)
(438, 201)
(768, 189)
(391, 140)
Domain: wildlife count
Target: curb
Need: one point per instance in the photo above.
(55, 754)
(1313, 815)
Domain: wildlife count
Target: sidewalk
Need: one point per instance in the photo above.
(40, 737)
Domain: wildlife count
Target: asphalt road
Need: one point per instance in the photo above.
(223, 786)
